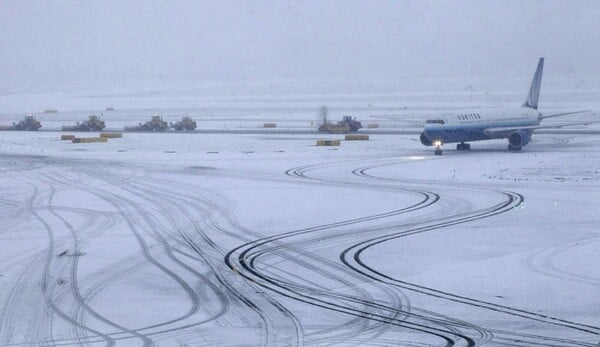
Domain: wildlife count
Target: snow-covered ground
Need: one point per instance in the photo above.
(267, 239)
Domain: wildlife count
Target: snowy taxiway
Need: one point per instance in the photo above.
(269, 240)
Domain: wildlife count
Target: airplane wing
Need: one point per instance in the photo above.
(496, 130)
(563, 114)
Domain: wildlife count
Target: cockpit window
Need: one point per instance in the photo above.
(435, 121)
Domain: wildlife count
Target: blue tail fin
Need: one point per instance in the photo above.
(534, 90)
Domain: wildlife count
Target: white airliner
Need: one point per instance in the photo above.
(517, 125)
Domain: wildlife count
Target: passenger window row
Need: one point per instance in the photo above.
(469, 116)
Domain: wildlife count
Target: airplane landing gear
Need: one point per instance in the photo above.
(438, 147)
(514, 148)
(463, 146)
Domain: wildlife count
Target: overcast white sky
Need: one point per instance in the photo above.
(288, 40)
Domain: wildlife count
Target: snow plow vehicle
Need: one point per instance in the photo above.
(94, 123)
(186, 123)
(154, 124)
(29, 123)
(347, 125)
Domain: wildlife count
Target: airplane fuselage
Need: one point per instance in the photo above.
(516, 125)
(471, 125)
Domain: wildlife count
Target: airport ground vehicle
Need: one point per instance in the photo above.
(28, 123)
(186, 123)
(154, 124)
(346, 125)
(94, 123)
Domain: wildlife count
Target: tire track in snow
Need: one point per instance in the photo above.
(310, 265)
(301, 172)
(241, 258)
(45, 278)
(351, 257)
(542, 262)
(120, 204)
(167, 330)
(196, 273)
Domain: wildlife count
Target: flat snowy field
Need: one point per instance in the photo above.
(267, 239)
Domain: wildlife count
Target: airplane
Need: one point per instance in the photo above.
(516, 125)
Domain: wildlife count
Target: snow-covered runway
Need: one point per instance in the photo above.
(269, 240)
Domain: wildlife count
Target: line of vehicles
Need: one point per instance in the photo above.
(94, 123)
(156, 124)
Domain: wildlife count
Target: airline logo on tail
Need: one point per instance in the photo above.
(534, 91)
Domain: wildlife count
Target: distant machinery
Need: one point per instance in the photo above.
(154, 124)
(347, 125)
(94, 123)
(186, 123)
(28, 123)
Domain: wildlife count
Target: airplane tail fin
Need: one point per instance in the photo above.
(534, 90)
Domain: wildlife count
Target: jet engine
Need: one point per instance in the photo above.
(425, 140)
(518, 139)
